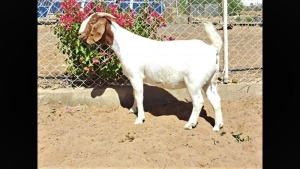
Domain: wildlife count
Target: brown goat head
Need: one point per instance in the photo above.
(97, 29)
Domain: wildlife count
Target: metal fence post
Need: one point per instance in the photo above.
(225, 41)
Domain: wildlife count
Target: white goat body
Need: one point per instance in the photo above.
(168, 64)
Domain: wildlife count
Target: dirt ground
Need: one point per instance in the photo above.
(105, 137)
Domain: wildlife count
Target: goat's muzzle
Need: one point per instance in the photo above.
(81, 36)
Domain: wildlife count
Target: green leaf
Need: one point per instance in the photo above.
(81, 48)
(87, 58)
(77, 26)
(77, 42)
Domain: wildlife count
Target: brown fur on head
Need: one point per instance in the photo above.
(97, 29)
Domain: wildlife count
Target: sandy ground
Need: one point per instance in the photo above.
(105, 137)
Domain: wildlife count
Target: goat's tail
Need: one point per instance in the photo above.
(213, 35)
(216, 40)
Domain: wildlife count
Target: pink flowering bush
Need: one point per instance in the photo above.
(89, 60)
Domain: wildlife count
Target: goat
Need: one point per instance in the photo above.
(190, 64)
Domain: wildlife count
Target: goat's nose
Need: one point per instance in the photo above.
(80, 36)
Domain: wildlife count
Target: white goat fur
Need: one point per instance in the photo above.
(190, 64)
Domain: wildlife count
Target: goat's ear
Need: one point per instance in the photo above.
(97, 31)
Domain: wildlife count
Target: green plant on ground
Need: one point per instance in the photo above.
(238, 138)
(249, 19)
(238, 19)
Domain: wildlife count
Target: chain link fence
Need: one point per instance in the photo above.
(61, 65)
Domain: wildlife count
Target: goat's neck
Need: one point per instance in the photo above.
(123, 40)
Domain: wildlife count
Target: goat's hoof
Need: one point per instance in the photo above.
(139, 121)
(132, 110)
(217, 127)
(190, 126)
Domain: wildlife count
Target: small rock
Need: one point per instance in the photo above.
(235, 80)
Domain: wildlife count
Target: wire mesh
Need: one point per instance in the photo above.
(182, 19)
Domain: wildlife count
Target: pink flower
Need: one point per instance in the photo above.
(163, 25)
(67, 20)
(100, 9)
(80, 16)
(149, 21)
(102, 53)
(69, 5)
(121, 21)
(155, 14)
(133, 13)
(113, 8)
(86, 68)
(171, 38)
(91, 69)
(89, 9)
(96, 60)
(129, 25)
(90, 5)
(67, 27)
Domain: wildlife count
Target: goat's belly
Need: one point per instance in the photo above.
(161, 84)
(164, 76)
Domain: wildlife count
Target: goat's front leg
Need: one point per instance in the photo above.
(198, 101)
(133, 109)
(137, 84)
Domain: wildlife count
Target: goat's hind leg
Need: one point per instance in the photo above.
(212, 94)
(137, 84)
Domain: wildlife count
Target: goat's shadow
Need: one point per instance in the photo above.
(157, 101)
